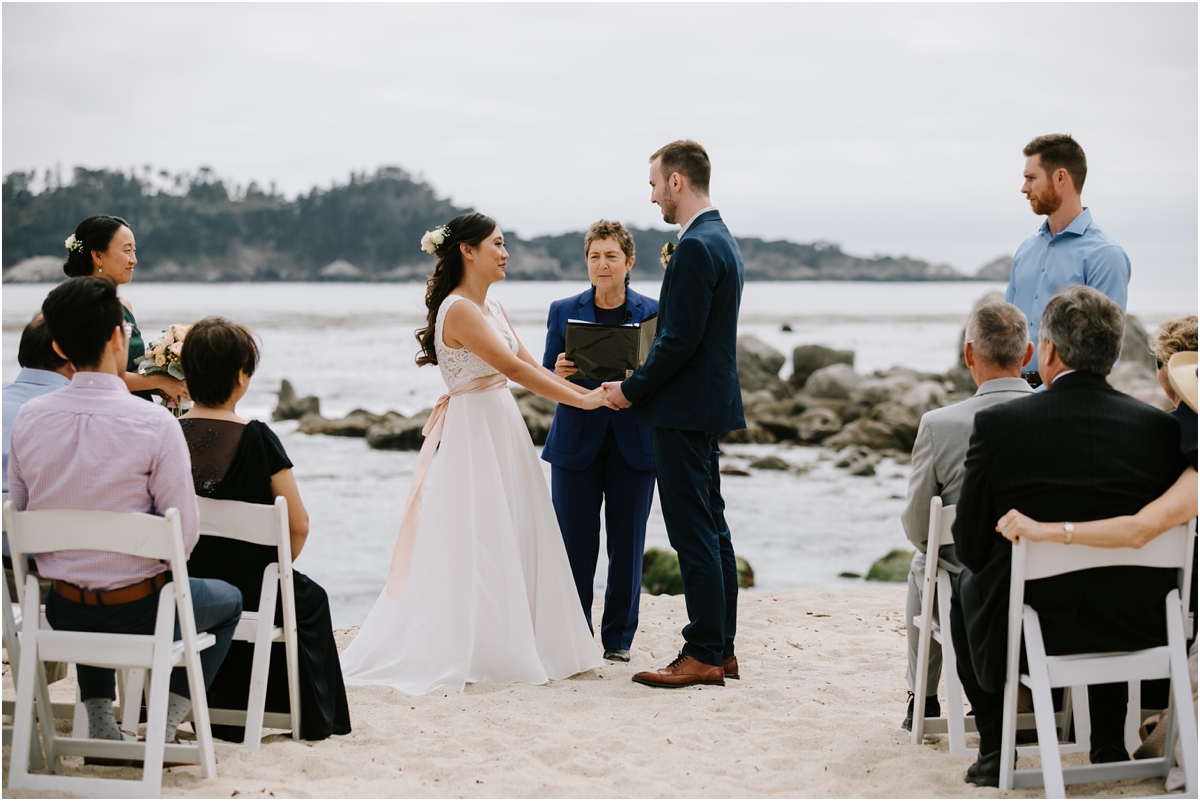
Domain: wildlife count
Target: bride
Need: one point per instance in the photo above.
(480, 588)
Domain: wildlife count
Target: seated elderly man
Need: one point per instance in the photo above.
(92, 445)
(1079, 451)
(997, 347)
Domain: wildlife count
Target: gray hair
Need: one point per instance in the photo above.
(1086, 327)
(1000, 333)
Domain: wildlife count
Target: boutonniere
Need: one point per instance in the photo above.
(667, 250)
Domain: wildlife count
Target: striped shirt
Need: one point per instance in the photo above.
(92, 445)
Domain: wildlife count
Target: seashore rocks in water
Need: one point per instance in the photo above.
(758, 366)
(807, 359)
(893, 567)
(291, 407)
(661, 576)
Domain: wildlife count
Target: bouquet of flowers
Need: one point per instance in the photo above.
(162, 357)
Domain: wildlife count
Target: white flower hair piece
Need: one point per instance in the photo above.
(73, 244)
(434, 239)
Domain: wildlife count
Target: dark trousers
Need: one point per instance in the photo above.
(1106, 702)
(217, 606)
(689, 489)
(626, 494)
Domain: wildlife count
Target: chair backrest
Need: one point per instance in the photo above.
(248, 522)
(941, 519)
(132, 533)
(1037, 560)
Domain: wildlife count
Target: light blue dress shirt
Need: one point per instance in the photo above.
(1083, 253)
(30, 384)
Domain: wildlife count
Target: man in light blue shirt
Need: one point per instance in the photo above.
(1069, 249)
(42, 371)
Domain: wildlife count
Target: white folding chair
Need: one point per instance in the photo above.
(142, 535)
(954, 723)
(1038, 560)
(261, 525)
(12, 646)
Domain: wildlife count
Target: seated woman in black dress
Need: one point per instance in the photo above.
(242, 460)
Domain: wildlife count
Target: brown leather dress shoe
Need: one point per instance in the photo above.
(730, 667)
(685, 671)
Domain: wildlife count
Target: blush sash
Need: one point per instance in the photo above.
(407, 540)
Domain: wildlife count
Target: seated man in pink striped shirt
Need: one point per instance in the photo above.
(92, 445)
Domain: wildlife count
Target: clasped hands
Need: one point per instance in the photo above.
(565, 368)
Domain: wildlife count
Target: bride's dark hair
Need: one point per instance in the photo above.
(465, 229)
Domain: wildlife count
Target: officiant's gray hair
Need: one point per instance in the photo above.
(999, 332)
(689, 159)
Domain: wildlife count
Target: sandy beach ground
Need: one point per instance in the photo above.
(816, 714)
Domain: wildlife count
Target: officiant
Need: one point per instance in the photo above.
(601, 456)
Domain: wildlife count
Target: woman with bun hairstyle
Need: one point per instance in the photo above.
(103, 246)
(480, 588)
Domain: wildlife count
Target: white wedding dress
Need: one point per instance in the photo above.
(490, 595)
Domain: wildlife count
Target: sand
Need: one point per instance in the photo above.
(816, 714)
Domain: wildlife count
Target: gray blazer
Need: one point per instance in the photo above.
(940, 452)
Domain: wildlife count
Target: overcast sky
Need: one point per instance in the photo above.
(893, 129)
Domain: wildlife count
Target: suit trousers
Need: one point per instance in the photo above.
(626, 495)
(689, 489)
(1106, 702)
(216, 605)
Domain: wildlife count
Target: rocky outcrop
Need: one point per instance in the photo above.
(292, 407)
(998, 269)
(758, 366)
(660, 573)
(355, 424)
(893, 567)
(399, 433)
(807, 359)
(837, 381)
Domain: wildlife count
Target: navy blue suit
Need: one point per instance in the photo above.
(599, 456)
(687, 392)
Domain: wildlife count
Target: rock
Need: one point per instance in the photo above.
(807, 359)
(785, 328)
(925, 396)
(868, 433)
(36, 270)
(770, 463)
(734, 471)
(758, 366)
(745, 573)
(752, 434)
(1137, 381)
(878, 389)
(354, 424)
(291, 407)
(837, 381)
(847, 456)
(900, 420)
(781, 428)
(816, 425)
(849, 574)
(538, 413)
(398, 433)
(660, 572)
(998, 269)
(864, 466)
(1135, 349)
(341, 270)
(893, 567)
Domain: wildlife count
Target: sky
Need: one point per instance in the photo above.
(890, 129)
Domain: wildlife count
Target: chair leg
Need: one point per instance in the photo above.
(920, 680)
(1043, 708)
(1133, 717)
(1181, 697)
(131, 704)
(1083, 715)
(79, 726)
(257, 701)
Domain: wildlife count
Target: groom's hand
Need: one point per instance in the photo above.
(615, 396)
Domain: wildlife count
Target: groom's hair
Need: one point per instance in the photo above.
(688, 159)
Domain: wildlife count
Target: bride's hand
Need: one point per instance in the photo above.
(595, 399)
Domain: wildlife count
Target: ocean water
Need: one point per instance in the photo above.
(352, 345)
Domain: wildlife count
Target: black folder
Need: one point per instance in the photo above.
(609, 352)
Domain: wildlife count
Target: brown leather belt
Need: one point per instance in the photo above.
(122, 595)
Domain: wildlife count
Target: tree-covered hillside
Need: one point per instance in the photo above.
(196, 227)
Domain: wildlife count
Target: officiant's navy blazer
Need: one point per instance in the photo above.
(576, 435)
(689, 379)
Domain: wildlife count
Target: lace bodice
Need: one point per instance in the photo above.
(459, 365)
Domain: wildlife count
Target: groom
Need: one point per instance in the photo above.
(687, 392)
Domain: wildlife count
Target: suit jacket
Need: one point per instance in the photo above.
(689, 379)
(576, 435)
(940, 452)
(1079, 451)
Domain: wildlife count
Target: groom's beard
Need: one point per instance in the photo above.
(668, 208)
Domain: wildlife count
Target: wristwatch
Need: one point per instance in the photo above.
(1069, 528)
